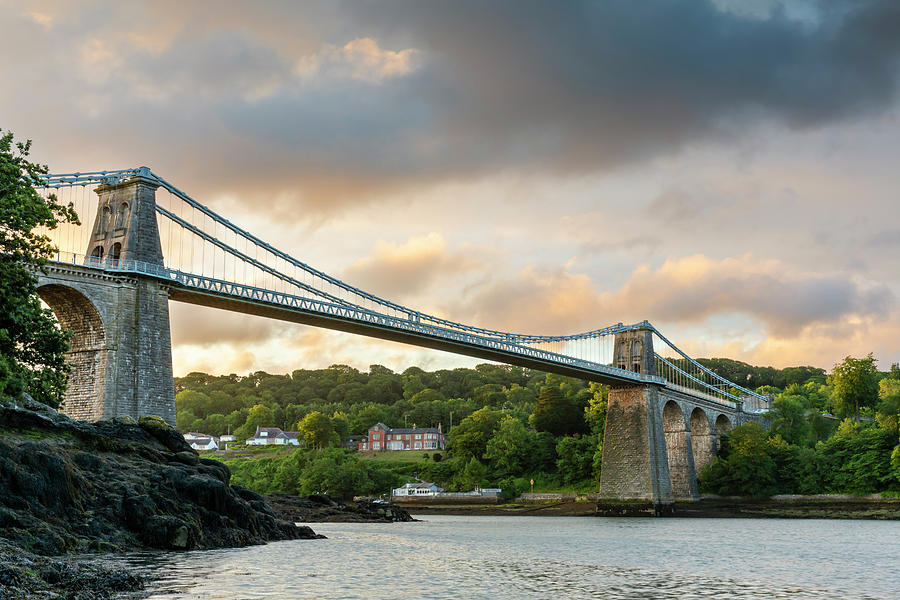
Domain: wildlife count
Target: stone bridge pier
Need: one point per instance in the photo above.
(657, 438)
(120, 351)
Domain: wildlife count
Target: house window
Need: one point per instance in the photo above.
(418, 445)
(418, 436)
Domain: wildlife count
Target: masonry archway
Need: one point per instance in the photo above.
(87, 350)
(703, 442)
(678, 450)
(723, 426)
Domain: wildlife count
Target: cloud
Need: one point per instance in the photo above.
(396, 271)
(695, 287)
(200, 326)
(673, 206)
(687, 290)
(330, 103)
(361, 59)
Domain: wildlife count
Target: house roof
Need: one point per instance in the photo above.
(271, 432)
(292, 435)
(405, 429)
(203, 440)
(414, 430)
(423, 486)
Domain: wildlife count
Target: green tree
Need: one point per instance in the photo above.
(469, 439)
(335, 473)
(427, 395)
(316, 429)
(508, 448)
(744, 466)
(576, 458)
(558, 414)
(258, 416)
(474, 475)
(788, 418)
(595, 411)
(855, 382)
(32, 347)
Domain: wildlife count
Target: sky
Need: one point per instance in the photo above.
(725, 169)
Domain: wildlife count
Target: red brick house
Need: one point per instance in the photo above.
(382, 437)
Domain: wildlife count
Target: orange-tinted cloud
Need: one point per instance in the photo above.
(687, 290)
(396, 271)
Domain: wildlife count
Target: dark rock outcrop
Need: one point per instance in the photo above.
(71, 487)
(25, 576)
(319, 508)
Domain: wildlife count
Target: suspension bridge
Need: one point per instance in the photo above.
(143, 242)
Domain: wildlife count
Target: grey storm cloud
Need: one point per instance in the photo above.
(574, 87)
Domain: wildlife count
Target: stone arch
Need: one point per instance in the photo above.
(637, 352)
(678, 449)
(723, 425)
(115, 253)
(97, 252)
(703, 442)
(86, 357)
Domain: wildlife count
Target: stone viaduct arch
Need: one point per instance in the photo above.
(658, 438)
(703, 440)
(86, 357)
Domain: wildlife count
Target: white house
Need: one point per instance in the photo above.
(417, 489)
(203, 442)
(266, 436)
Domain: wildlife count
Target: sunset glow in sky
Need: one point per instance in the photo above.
(728, 170)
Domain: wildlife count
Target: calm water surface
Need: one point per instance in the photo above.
(549, 557)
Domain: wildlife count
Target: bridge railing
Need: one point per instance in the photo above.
(344, 312)
(207, 252)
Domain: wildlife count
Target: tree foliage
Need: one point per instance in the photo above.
(32, 347)
(855, 383)
(317, 430)
(508, 448)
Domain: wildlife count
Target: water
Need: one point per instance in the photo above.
(549, 557)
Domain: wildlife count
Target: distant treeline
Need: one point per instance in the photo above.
(753, 377)
(511, 425)
(215, 404)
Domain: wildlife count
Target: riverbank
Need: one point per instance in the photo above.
(793, 507)
(73, 488)
(319, 508)
(779, 507)
(568, 508)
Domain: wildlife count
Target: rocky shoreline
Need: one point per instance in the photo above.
(71, 487)
(322, 509)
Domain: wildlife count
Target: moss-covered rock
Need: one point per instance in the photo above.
(71, 486)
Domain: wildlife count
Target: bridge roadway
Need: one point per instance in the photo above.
(214, 293)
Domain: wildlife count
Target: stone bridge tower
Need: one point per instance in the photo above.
(121, 353)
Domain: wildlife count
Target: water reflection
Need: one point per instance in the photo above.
(533, 557)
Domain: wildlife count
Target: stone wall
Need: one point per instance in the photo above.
(651, 451)
(121, 350)
(634, 459)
